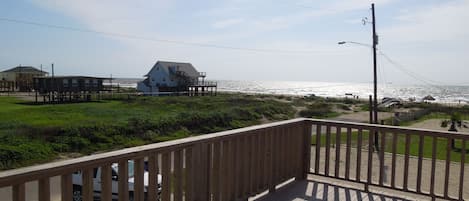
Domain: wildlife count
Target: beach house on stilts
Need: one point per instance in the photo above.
(176, 78)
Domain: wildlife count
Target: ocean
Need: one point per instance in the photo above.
(442, 94)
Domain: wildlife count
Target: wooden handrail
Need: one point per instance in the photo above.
(371, 170)
(189, 167)
(239, 163)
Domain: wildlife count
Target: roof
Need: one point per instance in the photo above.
(188, 68)
(72, 77)
(24, 69)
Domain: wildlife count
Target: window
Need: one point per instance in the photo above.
(164, 79)
(65, 82)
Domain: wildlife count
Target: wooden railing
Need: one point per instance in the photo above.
(237, 164)
(425, 162)
(230, 165)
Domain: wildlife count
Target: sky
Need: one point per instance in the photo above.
(424, 42)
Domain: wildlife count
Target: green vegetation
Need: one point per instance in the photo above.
(319, 110)
(38, 133)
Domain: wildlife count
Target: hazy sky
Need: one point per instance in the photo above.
(429, 39)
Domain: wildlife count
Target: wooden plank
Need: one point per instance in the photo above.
(447, 166)
(166, 174)
(248, 182)
(245, 169)
(262, 152)
(268, 164)
(239, 165)
(287, 162)
(44, 189)
(307, 129)
(461, 170)
(255, 176)
(370, 158)
(273, 159)
(419, 166)
(328, 151)
(66, 186)
(337, 152)
(232, 169)
(277, 156)
(223, 170)
(106, 182)
(393, 163)
(87, 188)
(206, 154)
(317, 159)
(153, 176)
(348, 153)
(138, 179)
(19, 193)
(295, 132)
(178, 177)
(280, 155)
(216, 171)
(406, 162)
(381, 158)
(123, 178)
(190, 189)
(359, 155)
(432, 174)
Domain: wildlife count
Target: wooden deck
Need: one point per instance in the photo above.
(317, 188)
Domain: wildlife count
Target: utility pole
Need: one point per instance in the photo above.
(375, 91)
(53, 84)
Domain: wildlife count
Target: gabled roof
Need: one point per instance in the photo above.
(73, 77)
(187, 68)
(24, 69)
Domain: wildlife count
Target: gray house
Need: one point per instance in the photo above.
(170, 77)
(21, 77)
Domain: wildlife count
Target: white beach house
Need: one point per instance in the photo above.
(168, 77)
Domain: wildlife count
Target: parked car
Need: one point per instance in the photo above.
(78, 182)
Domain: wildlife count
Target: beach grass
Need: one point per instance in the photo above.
(38, 133)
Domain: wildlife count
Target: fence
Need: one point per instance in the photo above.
(237, 164)
(229, 165)
(409, 153)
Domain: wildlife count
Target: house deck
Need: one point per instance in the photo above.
(317, 188)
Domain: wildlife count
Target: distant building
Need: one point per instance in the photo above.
(21, 77)
(67, 88)
(175, 77)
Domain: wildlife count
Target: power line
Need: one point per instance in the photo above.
(121, 35)
(410, 73)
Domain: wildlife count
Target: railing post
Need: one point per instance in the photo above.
(201, 163)
(306, 150)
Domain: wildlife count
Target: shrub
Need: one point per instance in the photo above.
(318, 110)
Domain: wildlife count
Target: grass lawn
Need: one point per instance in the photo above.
(38, 133)
(400, 148)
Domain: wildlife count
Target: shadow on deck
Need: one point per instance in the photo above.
(321, 189)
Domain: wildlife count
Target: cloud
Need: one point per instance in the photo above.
(129, 17)
(221, 24)
(445, 21)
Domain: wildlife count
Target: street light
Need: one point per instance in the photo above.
(374, 102)
(356, 43)
(371, 100)
(373, 46)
